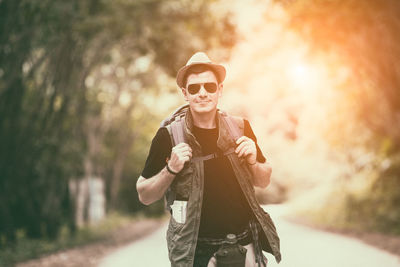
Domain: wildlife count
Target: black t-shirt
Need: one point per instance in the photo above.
(225, 208)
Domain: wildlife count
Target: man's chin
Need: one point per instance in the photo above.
(202, 109)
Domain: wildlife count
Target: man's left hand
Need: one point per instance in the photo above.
(246, 148)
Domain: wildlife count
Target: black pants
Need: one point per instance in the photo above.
(203, 254)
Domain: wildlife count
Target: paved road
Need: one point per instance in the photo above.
(300, 246)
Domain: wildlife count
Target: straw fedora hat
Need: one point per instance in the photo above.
(200, 58)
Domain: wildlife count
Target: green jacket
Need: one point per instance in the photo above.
(189, 183)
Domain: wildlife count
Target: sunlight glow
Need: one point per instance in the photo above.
(304, 77)
(300, 73)
(287, 91)
(125, 99)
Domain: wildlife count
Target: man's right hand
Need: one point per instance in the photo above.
(180, 154)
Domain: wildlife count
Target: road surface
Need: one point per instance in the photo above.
(300, 246)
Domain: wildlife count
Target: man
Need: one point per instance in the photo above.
(208, 178)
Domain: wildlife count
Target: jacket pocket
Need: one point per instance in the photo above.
(175, 226)
(271, 242)
(174, 242)
(182, 183)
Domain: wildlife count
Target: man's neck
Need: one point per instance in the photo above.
(204, 120)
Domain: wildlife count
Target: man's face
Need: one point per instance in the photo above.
(202, 101)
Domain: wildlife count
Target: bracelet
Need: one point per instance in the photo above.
(253, 163)
(171, 171)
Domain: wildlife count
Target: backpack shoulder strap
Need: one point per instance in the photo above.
(175, 125)
(235, 125)
(178, 130)
(178, 112)
(235, 128)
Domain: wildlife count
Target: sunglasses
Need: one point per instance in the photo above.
(194, 88)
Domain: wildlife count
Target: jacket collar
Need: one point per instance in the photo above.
(224, 142)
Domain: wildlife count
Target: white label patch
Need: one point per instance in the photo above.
(179, 211)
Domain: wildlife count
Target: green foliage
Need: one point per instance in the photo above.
(377, 208)
(26, 248)
(364, 35)
(49, 113)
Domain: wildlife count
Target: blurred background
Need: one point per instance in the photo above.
(84, 86)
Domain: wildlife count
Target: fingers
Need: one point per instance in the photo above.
(246, 150)
(241, 139)
(239, 149)
(181, 152)
(181, 147)
(185, 156)
(185, 159)
(244, 142)
(244, 139)
(246, 147)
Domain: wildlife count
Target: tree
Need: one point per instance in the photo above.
(48, 49)
(364, 36)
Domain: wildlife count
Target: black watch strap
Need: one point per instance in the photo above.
(171, 171)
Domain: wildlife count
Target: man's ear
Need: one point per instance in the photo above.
(184, 93)
(221, 87)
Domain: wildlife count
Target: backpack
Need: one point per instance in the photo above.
(175, 124)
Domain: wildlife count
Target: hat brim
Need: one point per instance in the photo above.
(218, 69)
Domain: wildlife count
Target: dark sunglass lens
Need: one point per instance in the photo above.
(210, 87)
(193, 88)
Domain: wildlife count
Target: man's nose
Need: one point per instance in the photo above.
(202, 91)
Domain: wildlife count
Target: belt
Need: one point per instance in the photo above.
(252, 228)
(219, 241)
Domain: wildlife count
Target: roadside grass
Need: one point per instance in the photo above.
(25, 248)
(365, 214)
